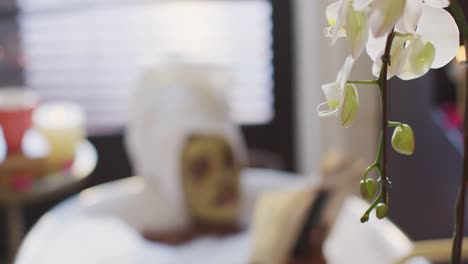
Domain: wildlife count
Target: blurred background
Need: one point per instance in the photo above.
(93, 52)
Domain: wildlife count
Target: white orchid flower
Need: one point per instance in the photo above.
(417, 59)
(384, 14)
(342, 98)
(345, 20)
(361, 5)
(413, 10)
(423, 46)
(410, 18)
(395, 53)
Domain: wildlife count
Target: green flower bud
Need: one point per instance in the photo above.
(371, 187)
(368, 188)
(403, 139)
(364, 218)
(363, 189)
(350, 105)
(381, 210)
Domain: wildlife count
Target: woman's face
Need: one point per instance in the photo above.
(210, 176)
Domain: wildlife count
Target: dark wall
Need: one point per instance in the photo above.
(425, 184)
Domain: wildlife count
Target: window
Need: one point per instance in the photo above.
(93, 52)
(10, 53)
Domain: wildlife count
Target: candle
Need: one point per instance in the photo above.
(62, 124)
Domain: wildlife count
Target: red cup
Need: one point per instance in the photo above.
(16, 107)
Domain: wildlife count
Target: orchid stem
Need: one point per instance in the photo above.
(394, 124)
(379, 151)
(368, 82)
(460, 202)
(380, 163)
(365, 217)
(376, 164)
(383, 88)
(460, 19)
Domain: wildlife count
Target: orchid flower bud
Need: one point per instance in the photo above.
(381, 210)
(368, 188)
(403, 139)
(371, 186)
(364, 218)
(363, 189)
(349, 106)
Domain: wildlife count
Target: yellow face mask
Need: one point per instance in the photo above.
(210, 177)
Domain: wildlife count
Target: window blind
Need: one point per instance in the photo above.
(94, 52)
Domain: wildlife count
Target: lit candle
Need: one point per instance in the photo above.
(62, 124)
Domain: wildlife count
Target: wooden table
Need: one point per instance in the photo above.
(43, 189)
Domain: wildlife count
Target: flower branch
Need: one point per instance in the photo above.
(394, 124)
(460, 19)
(386, 62)
(401, 37)
(367, 82)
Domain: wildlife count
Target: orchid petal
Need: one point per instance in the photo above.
(438, 3)
(357, 31)
(336, 13)
(384, 14)
(332, 93)
(350, 105)
(419, 56)
(345, 71)
(397, 57)
(375, 47)
(361, 5)
(332, 13)
(438, 27)
(331, 111)
(376, 67)
(410, 18)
